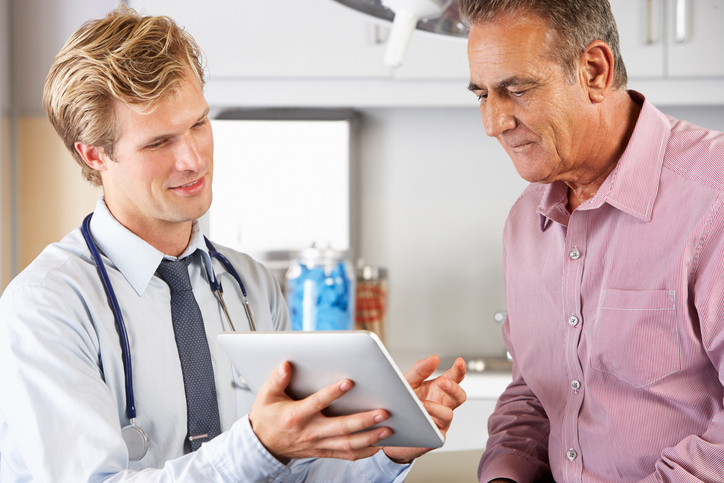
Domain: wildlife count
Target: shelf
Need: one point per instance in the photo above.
(365, 93)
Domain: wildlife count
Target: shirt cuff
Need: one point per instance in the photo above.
(239, 455)
(380, 468)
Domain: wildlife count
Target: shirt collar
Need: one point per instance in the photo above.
(634, 183)
(132, 256)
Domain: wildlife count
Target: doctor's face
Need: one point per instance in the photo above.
(161, 173)
(526, 102)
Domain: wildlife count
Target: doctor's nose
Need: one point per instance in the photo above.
(188, 155)
(497, 116)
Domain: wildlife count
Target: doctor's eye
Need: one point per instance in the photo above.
(201, 122)
(157, 144)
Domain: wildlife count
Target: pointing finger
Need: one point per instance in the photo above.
(422, 370)
(457, 371)
(455, 394)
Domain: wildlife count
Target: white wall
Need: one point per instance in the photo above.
(435, 192)
(41, 29)
(7, 265)
(711, 117)
(49, 196)
(4, 56)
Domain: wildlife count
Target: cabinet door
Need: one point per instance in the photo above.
(697, 38)
(640, 29)
(435, 56)
(279, 39)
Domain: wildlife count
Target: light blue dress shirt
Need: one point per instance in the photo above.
(62, 391)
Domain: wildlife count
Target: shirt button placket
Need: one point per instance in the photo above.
(574, 321)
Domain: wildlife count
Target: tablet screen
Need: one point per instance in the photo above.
(319, 359)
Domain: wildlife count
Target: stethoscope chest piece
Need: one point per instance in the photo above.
(136, 441)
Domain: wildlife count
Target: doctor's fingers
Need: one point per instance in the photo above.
(422, 370)
(342, 454)
(441, 414)
(274, 387)
(453, 395)
(354, 444)
(457, 371)
(324, 397)
(342, 426)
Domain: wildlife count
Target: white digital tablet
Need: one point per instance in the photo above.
(319, 359)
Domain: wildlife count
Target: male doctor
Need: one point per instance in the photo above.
(125, 95)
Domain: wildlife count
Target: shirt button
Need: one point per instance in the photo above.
(574, 254)
(571, 455)
(576, 385)
(573, 320)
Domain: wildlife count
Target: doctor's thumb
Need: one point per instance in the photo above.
(280, 378)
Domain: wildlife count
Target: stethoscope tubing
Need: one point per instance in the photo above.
(116, 309)
(136, 438)
(216, 286)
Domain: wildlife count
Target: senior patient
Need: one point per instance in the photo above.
(613, 257)
(125, 95)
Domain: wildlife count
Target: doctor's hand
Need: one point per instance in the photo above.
(440, 396)
(298, 429)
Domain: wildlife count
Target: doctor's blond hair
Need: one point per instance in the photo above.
(122, 57)
(574, 24)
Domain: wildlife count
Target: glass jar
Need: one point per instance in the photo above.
(321, 290)
(371, 304)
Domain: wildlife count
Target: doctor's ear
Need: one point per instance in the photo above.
(94, 156)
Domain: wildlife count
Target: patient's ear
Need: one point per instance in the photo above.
(597, 70)
(93, 156)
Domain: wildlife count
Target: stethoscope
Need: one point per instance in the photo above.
(135, 438)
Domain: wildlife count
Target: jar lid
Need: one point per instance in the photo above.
(369, 272)
(326, 253)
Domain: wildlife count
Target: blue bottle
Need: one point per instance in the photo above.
(320, 290)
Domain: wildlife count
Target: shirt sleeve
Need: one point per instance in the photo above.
(518, 430)
(700, 457)
(240, 456)
(59, 421)
(376, 469)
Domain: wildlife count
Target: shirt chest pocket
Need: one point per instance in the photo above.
(636, 337)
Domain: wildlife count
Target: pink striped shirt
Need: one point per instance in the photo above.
(616, 320)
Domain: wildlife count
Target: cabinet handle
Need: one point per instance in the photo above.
(681, 11)
(649, 22)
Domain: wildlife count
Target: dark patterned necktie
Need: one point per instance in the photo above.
(193, 350)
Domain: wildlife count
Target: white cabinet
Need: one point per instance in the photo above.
(640, 29)
(697, 38)
(319, 53)
(280, 39)
(304, 39)
(671, 39)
